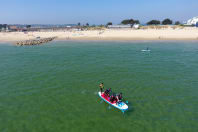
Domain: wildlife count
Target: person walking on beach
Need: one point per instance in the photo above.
(101, 87)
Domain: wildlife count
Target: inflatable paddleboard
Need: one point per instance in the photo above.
(121, 106)
(145, 50)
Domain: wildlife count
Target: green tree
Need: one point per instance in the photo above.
(130, 21)
(101, 25)
(177, 23)
(153, 22)
(79, 24)
(87, 24)
(109, 23)
(1, 26)
(125, 22)
(167, 22)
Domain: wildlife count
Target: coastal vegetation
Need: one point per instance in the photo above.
(109, 23)
(153, 22)
(177, 23)
(130, 21)
(167, 22)
(91, 27)
(158, 27)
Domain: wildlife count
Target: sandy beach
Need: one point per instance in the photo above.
(187, 33)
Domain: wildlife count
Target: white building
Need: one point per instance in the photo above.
(193, 21)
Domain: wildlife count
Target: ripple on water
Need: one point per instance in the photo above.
(54, 86)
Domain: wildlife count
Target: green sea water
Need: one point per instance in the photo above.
(53, 87)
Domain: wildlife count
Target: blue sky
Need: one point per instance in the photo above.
(94, 11)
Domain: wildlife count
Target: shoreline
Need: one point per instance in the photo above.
(111, 40)
(126, 39)
(116, 41)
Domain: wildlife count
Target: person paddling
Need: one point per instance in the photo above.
(101, 87)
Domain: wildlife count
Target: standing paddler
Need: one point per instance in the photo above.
(101, 85)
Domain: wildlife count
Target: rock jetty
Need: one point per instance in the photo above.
(35, 41)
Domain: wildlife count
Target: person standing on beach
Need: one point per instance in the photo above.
(101, 87)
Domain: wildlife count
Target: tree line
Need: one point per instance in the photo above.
(166, 21)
